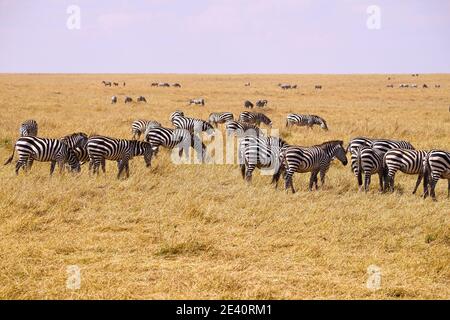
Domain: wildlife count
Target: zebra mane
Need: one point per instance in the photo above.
(331, 143)
(75, 134)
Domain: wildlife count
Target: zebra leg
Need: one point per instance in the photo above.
(432, 187)
(313, 180)
(322, 176)
(367, 179)
(448, 189)
(120, 166)
(360, 182)
(277, 174)
(242, 165)
(288, 182)
(52, 166)
(381, 179)
(248, 174)
(419, 180)
(103, 163)
(19, 164)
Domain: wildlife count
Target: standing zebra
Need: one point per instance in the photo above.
(248, 104)
(176, 114)
(113, 100)
(305, 120)
(259, 152)
(353, 147)
(128, 100)
(436, 166)
(43, 150)
(407, 161)
(192, 125)
(101, 148)
(255, 118)
(261, 103)
(313, 159)
(240, 128)
(369, 161)
(220, 117)
(384, 145)
(28, 128)
(139, 127)
(171, 138)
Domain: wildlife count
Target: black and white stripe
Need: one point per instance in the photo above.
(139, 127)
(369, 161)
(171, 138)
(255, 118)
(407, 161)
(176, 114)
(55, 151)
(315, 159)
(384, 145)
(192, 125)
(259, 152)
(101, 148)
(242, 128)
(436, 166)
(28, 128)
(220, 117)
(307, 120)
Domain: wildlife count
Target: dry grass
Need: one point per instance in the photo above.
(197, 231)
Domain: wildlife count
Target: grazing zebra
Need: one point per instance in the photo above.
(436, 166)
(192, 125)
(101, 148)
(407, 161)
(43, 150)
(255, 118)
(384, 145)
(128, 99)
(313, 159)
(369, 161)
(107, 83)
(242, 128)
(171, 138)
(259, 152)
(113, 99)
(220, 117)
(305, 120)
(139, 127)
(176, 85)
(176, 114)
(197, 101)
(28, 128)
(77, 142)
(261, 103)
(286, 86)
(164, 84)
(141, 99)
(248, 104)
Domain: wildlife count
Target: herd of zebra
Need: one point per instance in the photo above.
(255, 150)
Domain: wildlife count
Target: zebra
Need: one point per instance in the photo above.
(353, 147)
(164, 84)
(255, 118)
(43, 150)
(107, 83)
(369, 161)
(176, 85)
(247, 84)
(248, 104)
(113, 100)
(192, 125)
(139, 127)
(154, 84)
(436, 166)
(176, 114)
(128, 99)
(197, 101)
(116, 84)
(313, 159)
(171, 138)
(318, 87)
(259, 152)
(101, 148)
(28, 128)
(305, 120)
(242, 128)
(220, 117)
(285, 86)
(261, 103)
(385, 144)
(405, 160)
(141, 99)
(77, 142)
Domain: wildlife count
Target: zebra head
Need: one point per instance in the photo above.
(206, 126)
(147, 152)
(176, 114)
(75, 140)
(265, 119)
(323, 124)
(335, 149)
(73, 161)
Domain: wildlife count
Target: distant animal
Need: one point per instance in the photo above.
(318, 87)
(294, 86)
(436, 166)
(124, 84)
(176, 85)
(437, 85)
(54, 151)
(200, 101)
(425, 86)
(248, 104)
(116, 84)
(390, 86)
(163, 84)
(28, 128)
(414, 85)
(305, 120)
(315, 159)
(101, 148)
(407, 161)
(154, 84)
(247, 84)
(255, 118)
(404, 85)
(285, 86)
(241, 128)
(369, 161)
(220, 117)
(171, 138)
(113, 99)
(261, 103)
(107, 83)
(141, 99)
(139, 127)
(259, 152)
(128, 99)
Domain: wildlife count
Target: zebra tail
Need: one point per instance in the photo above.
(10, 158)
(358, 161)
(426, 175)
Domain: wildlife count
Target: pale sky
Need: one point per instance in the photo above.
(225, 36)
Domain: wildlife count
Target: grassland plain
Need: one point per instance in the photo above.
(199, 231)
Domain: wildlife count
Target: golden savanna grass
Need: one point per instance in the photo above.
(199, 231)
